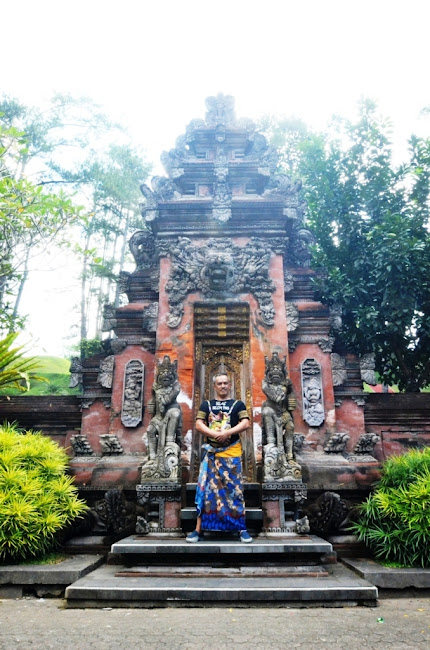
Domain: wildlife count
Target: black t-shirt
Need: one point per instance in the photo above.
(222, 414)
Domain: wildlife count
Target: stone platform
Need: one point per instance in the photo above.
(166, 572)
(17, 580)
(389, 577)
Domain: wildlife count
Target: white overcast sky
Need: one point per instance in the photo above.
(152, 64)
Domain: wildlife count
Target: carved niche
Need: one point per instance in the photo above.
(219, 269)
(165, 428)
(132, 399)
(278, 424)
(312, 393)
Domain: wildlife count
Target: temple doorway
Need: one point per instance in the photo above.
(221, 334)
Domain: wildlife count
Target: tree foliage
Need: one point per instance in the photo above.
(371, 221)
(71, 152)
(31, 220)
(15, 369)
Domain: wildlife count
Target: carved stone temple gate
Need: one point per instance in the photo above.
(222, 282)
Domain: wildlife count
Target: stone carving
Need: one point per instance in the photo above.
(336, 443)
(149, 208)
(294, 206)
(142, 247)
(292, 316)
(277, 421)
(164, 188)
(326, 343)
(329, 513)
(363, 450)
(75, 372)
(131, 412)
(298, 442)
(110, 445)
(288, 281)
(312, 394)
(114, 346)
(360, 400)
(292, 343)
(222, 195)
(219, 269)
(338, 369)
(278, 245)
(164, 429)
(366, 443)
(114, 513)
(367, 368)
(302, 526)
(259, 146)
(173, 160)
(220, 110)
(150, 317)
(301, 240)
(80, 445)
(105, 376)
(109, 317)
(124, 281)
(336, 317)
(111, 514)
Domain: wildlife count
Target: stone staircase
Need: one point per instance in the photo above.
(277, 571)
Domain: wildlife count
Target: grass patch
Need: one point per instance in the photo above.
(49, 558)
(56, 372)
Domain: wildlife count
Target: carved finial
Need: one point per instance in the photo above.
(220, 110)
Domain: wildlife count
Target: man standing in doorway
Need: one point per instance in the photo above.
(219, 496)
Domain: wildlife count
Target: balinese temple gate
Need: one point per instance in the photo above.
(222, 284)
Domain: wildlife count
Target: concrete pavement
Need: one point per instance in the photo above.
(397, 623)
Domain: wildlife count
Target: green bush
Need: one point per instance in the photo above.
(37, 499)
(394, 522)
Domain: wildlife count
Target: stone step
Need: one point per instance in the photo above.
(247, 571)
(107, 587)
(253, 515)
(223, 544)
(288, 549)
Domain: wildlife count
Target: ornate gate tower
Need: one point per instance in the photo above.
(222, 282)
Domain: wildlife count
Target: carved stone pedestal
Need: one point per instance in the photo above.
(161, 503)
(282, 504)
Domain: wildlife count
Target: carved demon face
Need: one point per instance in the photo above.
(165, 378)
(218, 272)
(275, 375)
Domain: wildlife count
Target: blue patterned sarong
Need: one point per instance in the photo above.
(219, 494)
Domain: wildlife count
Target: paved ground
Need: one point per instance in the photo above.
(396, 623)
